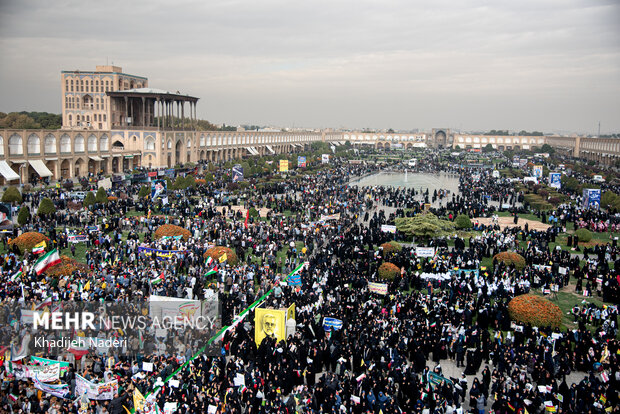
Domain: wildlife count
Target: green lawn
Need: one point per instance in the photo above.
(80, 252)
(280, 255)
(566, 299)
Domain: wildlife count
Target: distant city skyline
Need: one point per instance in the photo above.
(549, 66)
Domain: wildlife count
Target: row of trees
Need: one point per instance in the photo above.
(46, 206)
(30, 120)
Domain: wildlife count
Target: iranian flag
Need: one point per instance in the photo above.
(158, 279)
(209, 261)
(46, 302)
(78, 347)
(46, 261)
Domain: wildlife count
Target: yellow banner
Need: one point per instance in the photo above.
(269, 322)
(290, 313)
(283, 165)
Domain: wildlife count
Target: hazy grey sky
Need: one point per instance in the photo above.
(402, 64)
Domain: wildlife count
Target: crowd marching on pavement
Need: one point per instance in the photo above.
(436, 337)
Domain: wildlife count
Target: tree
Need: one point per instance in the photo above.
(101, 196)
(487, 148)
(608, 198)
(12, 195)
(179, 184)
(89, 200)
(46, 207)
(209, 177)
(546, 148)
(144, 191)
(16, 120)
(190, 181)
(424, 225)
(23, 216)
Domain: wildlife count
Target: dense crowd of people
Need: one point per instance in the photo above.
(440, 339)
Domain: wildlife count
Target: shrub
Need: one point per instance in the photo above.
(23, 216)
(112, 198)
(584, 235)
(171, 230)
(543, 193)
(535, 310)
(253, 212)
(46, 207)
(67, 185)
(510, 258)
(388, 271)
(66, 267)
(12, 195)
(101, 196)
(218, 251)
(200, 181)
(391, 247)
(462, 221)
(209, 177)
(555, 201)
(28, 240)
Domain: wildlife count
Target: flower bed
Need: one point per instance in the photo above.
(391, 247)
(510, 258)
(218, 251)
(112, 198)
(66, 267)
(535, 310)
(170, 230)
(28, 240)
(388, 271)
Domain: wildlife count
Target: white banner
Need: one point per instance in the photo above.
(44, 373)
(425, 251)
(386, 228)
(101, 391)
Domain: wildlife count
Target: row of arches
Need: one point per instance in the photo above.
(74, 167)
(219, 139)
(50, 145)
(178, 156)
(381, 137)
(501, 140)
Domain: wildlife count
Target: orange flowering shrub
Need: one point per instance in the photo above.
(391, 247)
(218, 251)
(171, 230)
(201, 181)
(535, 310)
(388, 271)
(112, 198)
(28, 240)
(66, 267)
(511, 258)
